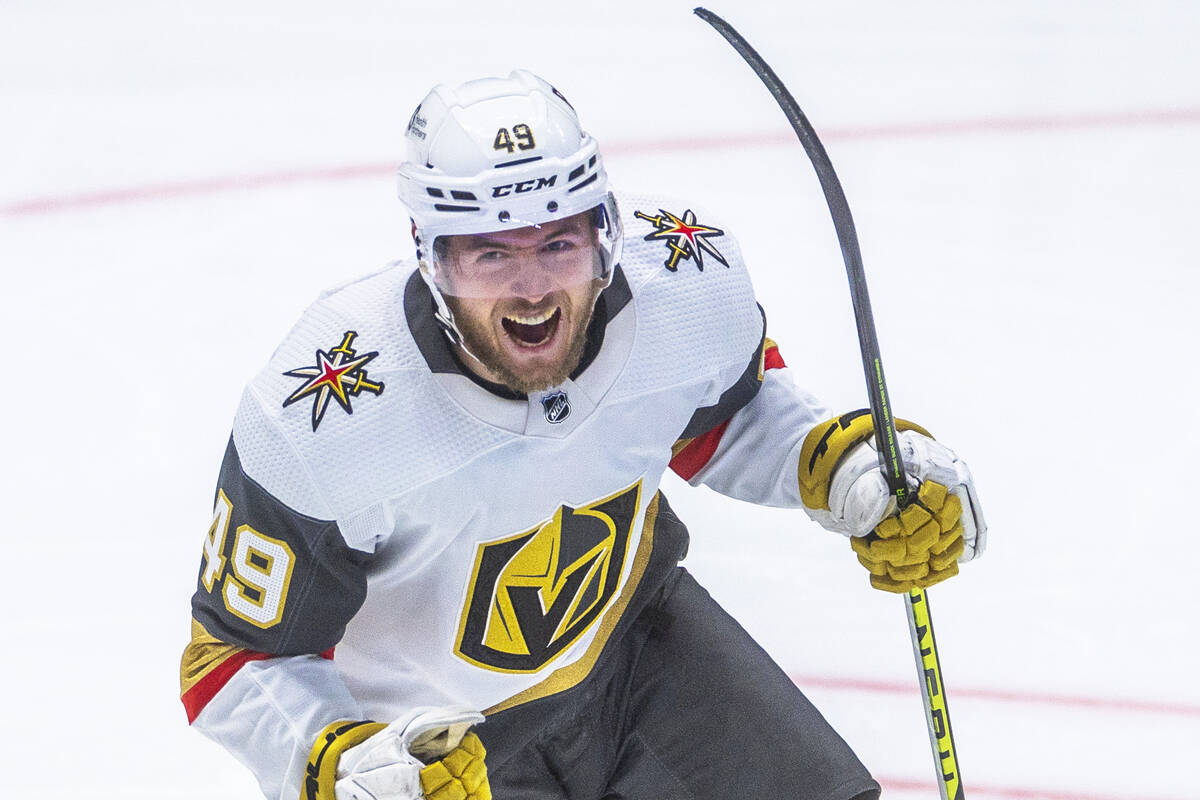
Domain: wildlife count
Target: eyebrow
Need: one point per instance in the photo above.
(474, 243)
(483, 242)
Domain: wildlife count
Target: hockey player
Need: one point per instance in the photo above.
(440, 564)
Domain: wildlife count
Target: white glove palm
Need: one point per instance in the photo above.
(859, 497)
(388, 765)
(843, 488)
(428, 754)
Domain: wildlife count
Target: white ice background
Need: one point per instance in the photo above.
(178, 180)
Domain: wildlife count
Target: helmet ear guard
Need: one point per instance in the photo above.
(500, 153)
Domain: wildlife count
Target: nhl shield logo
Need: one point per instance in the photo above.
(533, 595)
(557, 407)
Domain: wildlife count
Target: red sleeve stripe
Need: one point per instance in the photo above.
(772, 359)
(197, 697)
(691, 459)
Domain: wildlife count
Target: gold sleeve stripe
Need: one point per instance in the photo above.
(562, 679)
(771, 358)
(207, 665)
(680, 446)
(203, 654)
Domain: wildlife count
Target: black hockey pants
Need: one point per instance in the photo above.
(684, 706)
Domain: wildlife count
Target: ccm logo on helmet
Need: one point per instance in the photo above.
(520, 187)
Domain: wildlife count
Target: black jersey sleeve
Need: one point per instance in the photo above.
(735, 397)
(271, 579)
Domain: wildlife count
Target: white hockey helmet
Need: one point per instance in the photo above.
(497, 154)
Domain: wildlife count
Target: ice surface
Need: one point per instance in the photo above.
(179, 180)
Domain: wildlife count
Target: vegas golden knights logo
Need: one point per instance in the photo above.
(534, 594)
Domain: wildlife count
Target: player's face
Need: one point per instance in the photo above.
(523, 298)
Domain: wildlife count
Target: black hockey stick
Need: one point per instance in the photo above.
(920, 621)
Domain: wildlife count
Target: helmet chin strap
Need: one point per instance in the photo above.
(444, 316)
(462, 345)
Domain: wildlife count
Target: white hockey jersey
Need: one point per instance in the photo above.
(391, 532)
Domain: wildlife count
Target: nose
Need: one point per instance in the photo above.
(532, 282)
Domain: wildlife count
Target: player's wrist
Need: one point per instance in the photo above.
(320, 774)
(832, 459)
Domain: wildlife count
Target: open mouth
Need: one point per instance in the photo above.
(532, 331)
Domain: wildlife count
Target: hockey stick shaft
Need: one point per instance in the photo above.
(920, 621)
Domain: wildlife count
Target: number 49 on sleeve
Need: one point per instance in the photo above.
(254, 581)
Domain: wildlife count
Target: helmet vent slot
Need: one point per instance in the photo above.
(460, 195)
(583, 183)
(448, 207)
(575, 173)
(529, 160)
(435, 192)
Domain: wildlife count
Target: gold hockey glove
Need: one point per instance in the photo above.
(461, 775)
(843, 488)
(918, 547)
(428, 754)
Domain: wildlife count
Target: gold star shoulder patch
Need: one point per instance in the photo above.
(686, 238)
(337, 375)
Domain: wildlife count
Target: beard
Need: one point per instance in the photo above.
(479, 338)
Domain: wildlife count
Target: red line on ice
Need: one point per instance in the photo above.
(1024, 124)
(1000, 695)
(903, 130)
(168, 191)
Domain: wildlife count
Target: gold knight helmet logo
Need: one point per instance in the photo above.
(534, 594)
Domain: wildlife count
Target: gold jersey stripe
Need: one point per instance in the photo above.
(562, 679)
(679, 446)
(203, 654)
(767, 344)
